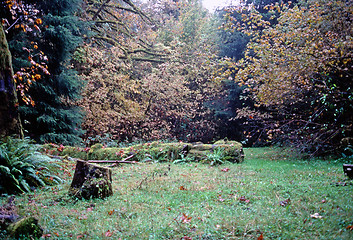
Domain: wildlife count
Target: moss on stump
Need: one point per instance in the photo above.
(91, 181)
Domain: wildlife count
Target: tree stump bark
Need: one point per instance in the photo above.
(91, 181)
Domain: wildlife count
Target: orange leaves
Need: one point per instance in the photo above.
(185, 219)
(350, 227)
(39, 21)
(182, 188)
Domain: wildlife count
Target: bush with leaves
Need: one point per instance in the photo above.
(22, 168)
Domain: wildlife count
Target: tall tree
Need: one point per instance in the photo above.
(9, 117)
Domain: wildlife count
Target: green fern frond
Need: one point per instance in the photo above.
(35, 180)
(25, 186)
(16, 172)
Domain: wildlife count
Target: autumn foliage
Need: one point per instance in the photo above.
(298, 73)
(163, 96)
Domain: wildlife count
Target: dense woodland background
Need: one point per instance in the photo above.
(263, 72)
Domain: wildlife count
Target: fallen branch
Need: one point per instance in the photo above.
(110, 161)
(114, 161)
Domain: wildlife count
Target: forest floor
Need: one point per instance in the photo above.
(271, 195)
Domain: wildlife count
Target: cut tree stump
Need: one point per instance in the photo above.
(91, 181)
(348, 170)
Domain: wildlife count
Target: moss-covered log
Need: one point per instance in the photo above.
(230, 151)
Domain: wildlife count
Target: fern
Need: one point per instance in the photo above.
(22, 168)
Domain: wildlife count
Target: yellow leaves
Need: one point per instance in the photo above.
(37, 76)
(39, 21)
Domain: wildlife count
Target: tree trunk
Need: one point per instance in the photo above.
(10, 123)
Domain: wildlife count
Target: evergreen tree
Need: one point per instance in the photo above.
(54, 117)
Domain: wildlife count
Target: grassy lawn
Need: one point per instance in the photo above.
(271, 193)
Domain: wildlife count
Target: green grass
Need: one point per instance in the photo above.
(162, 201)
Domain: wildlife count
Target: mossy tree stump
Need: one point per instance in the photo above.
(91, 181)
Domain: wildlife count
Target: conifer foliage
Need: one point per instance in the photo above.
(53, 118)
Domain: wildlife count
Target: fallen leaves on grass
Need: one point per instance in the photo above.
(111, 212)
(261, 237)
(82, 217)
(185, 218)
(243, 199)
(225, 169)
(182, 188)
(108, 233)
(315, 215)
(350, 227)
(284, 203)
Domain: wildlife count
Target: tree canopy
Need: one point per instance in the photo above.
(263, 71)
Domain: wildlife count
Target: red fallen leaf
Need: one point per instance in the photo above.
(350, 227)
(284, 202)
(169, 208)
(61, 148)
(187, 238)
(225, 169)
(108, 233)
(185, 218)
(46, 235)
(243, 199)
(111, 212)
(80, 236)
(182, 188)
(56, 234)
(261, 237)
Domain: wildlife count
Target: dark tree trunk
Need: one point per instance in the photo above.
(9, 118)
